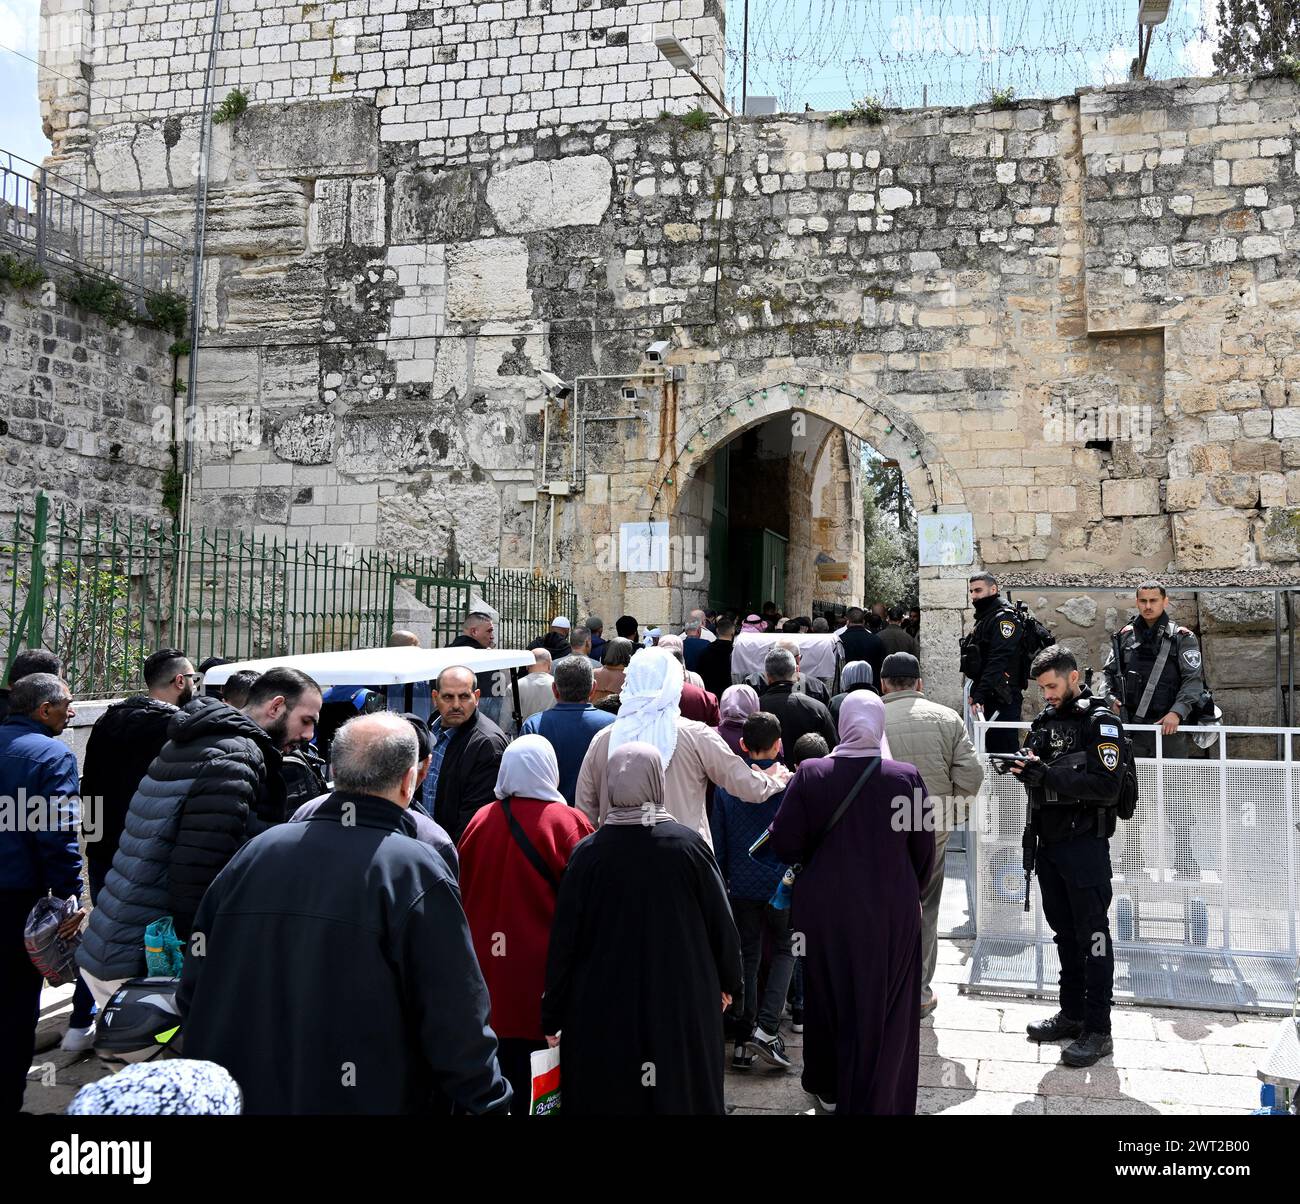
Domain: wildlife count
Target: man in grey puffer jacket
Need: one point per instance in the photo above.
(216, 784)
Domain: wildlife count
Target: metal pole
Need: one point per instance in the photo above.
(1277, 664)
(744, 66)
(196, 293)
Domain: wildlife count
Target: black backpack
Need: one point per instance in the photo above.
(1034, 637)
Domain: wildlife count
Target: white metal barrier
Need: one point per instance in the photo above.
(1204, 908)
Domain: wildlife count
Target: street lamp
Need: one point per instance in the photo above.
(1150, 14)
(681, 60)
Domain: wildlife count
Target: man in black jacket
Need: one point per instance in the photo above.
(222, 810)
(467, 748)
(122, 746)
(715, 660)
(798, 713)
(1078, 757)
(480, 632)
(861, 644)
(990, 661)
(347, 933)
(216, 783)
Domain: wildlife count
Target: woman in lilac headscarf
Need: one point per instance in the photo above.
(736, 705)
(858, 903)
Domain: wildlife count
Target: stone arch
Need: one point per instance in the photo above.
(872, 417)
(754, 400)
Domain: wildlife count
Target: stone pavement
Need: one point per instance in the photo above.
(975, 1057)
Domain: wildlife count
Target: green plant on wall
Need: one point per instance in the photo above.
(230, 108)
(867, 111)
(169, 312)
(99, 295)
(1002, 98)
(21, 272)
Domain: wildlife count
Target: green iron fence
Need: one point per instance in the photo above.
(103, 593)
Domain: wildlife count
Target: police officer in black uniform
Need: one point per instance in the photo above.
(1077, 754)
(1153, 675)
(990, 660)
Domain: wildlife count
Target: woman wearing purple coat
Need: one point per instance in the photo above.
(857, 903)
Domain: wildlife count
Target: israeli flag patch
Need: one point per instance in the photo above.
(1109, 729)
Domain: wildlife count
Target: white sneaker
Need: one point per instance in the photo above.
(78, 1040)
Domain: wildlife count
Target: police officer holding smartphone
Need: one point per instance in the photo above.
(1073, 770)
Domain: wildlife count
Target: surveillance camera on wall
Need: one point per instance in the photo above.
(656, 351)
(631, 393)
(554, 385)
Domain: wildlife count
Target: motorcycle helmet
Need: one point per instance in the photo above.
(141, 1021)
(1207, 731)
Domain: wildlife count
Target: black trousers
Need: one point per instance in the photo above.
(1003, 739)
(20, 999)
(1074, 878)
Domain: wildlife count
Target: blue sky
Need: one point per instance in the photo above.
(829, 52)
(20, 114)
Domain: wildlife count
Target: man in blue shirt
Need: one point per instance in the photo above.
(38, 853)
(572, 723)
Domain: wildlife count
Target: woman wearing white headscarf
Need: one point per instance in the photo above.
(858, 903)
(644, 957)
(693, 754)
(512, 857)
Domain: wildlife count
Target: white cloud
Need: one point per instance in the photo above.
(20, 25)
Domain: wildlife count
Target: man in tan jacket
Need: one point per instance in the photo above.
(934, 739)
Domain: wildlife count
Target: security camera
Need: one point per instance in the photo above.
(631, 393)
(656, 351)
(554, 385)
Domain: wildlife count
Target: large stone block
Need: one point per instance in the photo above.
(1210, 539)
(546, 194)
(1279, 540)
(313, 138)
(487, 280)
(1137, 496)
(306, 438)
(436, 206)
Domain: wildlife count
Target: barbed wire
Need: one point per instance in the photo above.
(909, 52)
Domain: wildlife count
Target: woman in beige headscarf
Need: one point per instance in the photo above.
(692, 754)
(644, 957)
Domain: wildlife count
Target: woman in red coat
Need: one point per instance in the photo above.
(512, 857)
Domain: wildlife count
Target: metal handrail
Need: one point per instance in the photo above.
(62, 224)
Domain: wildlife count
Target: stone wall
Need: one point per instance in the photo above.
(454, 79)
(84, 408)
(1073, 318)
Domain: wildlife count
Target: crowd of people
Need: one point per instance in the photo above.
(466, 895)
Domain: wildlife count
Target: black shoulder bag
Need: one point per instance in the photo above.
(528, 849)
(842, 808)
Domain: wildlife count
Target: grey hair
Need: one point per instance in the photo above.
(573, 678)
(779, 664)
(579, 636)
(371, 754)
(694, 624)
(618, 651)
(32, 692)
(792, 646)
(542, 656)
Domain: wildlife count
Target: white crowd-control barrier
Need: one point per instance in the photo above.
(1216, 930)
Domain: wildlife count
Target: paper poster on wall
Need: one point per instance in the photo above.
(643, 548)
(945, 539)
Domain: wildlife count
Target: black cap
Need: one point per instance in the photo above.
(900, 664)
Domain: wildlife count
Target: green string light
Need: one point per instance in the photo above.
(750, 400)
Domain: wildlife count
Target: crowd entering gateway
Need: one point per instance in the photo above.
(717, 851)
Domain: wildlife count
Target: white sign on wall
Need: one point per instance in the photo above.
(945, 538)
(643, 548)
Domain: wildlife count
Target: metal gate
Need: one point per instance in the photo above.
(1223, 937)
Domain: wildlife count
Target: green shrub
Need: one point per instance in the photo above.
(98, 295)
(169, 311)
(696, 119)
(1003, 98)
(868, 110)
(230, 108)
(21, 272)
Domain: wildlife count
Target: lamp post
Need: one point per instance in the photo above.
(1150, 14)
(681, 59)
